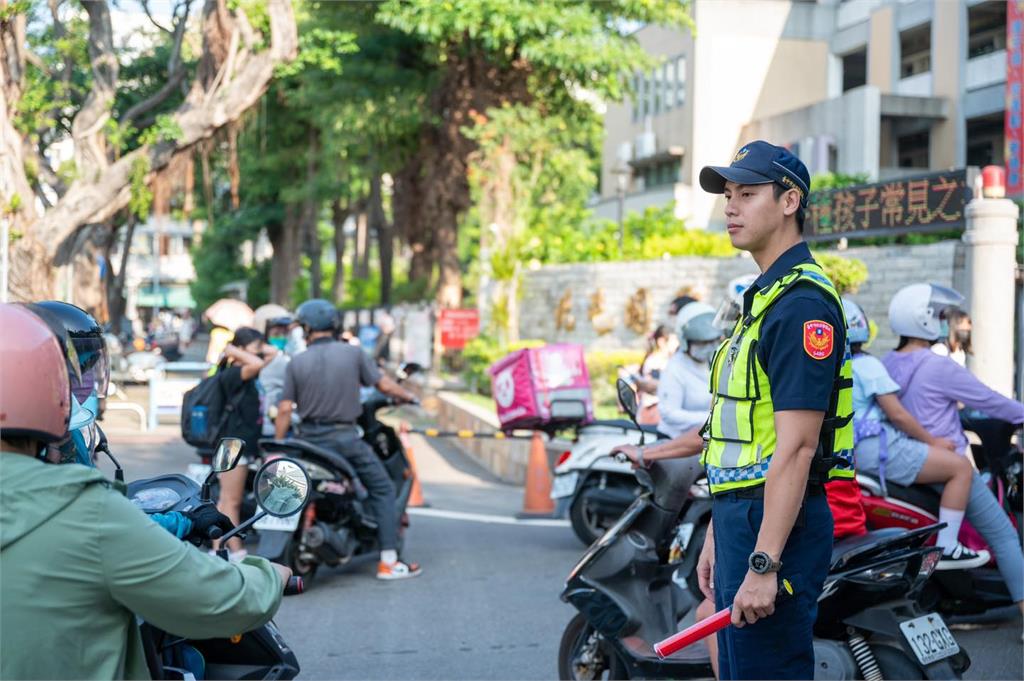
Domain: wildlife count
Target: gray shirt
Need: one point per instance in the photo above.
(324, 381)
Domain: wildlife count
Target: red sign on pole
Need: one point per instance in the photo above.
(457, 327)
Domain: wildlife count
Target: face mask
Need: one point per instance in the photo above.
(703, 352)
(962, 336)
(279, 342)
(943, 329)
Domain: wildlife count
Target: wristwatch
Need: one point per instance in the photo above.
(761, 563)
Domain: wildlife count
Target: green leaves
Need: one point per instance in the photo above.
(141, 196)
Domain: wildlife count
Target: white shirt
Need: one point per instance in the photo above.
(684, 398)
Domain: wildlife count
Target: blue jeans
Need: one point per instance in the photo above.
(780, 646)
(992, 523)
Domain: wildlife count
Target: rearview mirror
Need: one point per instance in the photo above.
(626, 397)
(229, 450)
(282, 487)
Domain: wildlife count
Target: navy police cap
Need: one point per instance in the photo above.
(759, 163)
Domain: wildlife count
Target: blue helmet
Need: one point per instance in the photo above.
(318, 315)
(858, 329)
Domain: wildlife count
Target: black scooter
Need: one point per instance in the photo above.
(257, 654)
(336, 524)
(868, 623)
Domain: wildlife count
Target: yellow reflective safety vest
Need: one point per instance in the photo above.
(740, 433)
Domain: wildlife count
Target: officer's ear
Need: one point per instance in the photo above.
(790, 202)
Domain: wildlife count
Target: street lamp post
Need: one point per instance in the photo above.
(622, 174)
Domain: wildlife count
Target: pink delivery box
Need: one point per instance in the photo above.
(536, 387)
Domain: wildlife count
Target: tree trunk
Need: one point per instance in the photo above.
(234, 173)
(116, 302)
(284, 267)
(87, 128)
(408, 215)
(339, 216)
(360, 259)
(385, 243)
(310, 217)
(238, 83)
(204, 158)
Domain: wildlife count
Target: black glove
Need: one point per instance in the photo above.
(204, 519)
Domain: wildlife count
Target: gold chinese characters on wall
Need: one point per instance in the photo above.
(564, 318)
(638, 312)
(601, 321)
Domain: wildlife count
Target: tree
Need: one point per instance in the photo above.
(234, 69)
(492, 53)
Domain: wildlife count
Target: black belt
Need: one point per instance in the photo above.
(333, 424)
(757, 492)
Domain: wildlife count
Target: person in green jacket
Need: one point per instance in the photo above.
(78, 561)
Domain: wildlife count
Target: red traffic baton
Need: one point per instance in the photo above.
(720, 620)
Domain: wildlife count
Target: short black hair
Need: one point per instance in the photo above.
(778, 190)
(245, 335)
(856, 348)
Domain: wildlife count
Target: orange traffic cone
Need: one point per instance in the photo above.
(416, 494)
(537, 496)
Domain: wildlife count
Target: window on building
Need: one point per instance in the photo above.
(912, 150)
(643, 96)
(657, 90)
(916, 50)
(635, 113)
(680, 81)
(661, 174)
(986, 28)
(985, 139)
(855, 69)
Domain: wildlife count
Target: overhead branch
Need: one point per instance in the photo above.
(152, 19)
(97, 200)
(175, 70)
(87, 128)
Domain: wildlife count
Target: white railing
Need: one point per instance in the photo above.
(919, 85)
(987, 69)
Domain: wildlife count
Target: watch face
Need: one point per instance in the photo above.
(759, 562)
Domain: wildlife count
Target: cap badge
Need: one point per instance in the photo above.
(740, 155)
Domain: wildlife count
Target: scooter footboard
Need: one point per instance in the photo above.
(274, 544)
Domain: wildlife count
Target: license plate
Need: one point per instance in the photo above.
(564, 485)
(198, 472)
(286, 524)
(929, 638)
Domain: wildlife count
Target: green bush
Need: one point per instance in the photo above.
(603, 365)
(478, 356)
(846, 273)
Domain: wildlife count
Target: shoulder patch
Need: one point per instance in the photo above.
(819, 338)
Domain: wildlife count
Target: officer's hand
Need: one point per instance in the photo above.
(631, 452)
(706, 567)
(284, 572)
(756, 598)
(207, 521)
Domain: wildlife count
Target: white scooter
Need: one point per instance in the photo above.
(591, 485)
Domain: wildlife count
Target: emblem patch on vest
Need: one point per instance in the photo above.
(818, 339)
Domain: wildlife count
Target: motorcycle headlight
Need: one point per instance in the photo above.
(881, 575)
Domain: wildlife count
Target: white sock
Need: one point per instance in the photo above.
(947, 538)
(391, 556)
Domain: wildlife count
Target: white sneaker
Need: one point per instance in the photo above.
(962, 558)
(236, 556)
(397, 570)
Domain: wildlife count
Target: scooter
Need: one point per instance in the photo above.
(590, 486)
(956, 592)
(335, 525)
(868, 624)
(257, 654)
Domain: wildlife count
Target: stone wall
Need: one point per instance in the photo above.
(889, 269)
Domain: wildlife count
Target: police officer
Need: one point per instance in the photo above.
(324, 381)
(780, 424)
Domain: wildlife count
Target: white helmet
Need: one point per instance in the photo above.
(696, 322)
(916, 311)
(730, 309)
(858, 329)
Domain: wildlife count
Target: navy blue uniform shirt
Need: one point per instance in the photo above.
(798, 379)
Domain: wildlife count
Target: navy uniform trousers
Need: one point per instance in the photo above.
(781, 646)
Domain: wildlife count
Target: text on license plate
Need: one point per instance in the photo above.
(564, 485)
(286, 524)
(929, 638)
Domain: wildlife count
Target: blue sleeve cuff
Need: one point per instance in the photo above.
(174, 522)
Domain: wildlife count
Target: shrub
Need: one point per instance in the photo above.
(846, 273)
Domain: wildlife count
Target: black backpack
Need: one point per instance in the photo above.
(205, 410)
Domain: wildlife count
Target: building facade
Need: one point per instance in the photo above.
(887, 88)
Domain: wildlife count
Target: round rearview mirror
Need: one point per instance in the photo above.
(282, 487)
(627, 397)
(229, 451)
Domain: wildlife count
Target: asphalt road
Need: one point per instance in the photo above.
(486, 606)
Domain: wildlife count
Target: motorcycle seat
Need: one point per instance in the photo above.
(625, 425)
(696, 653)
(924, 497)
(845, 550)
(295, 446)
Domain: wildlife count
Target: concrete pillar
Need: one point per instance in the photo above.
(991, 240)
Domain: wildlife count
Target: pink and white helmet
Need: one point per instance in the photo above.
(35, 393)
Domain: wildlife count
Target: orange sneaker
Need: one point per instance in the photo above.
(397, 570)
